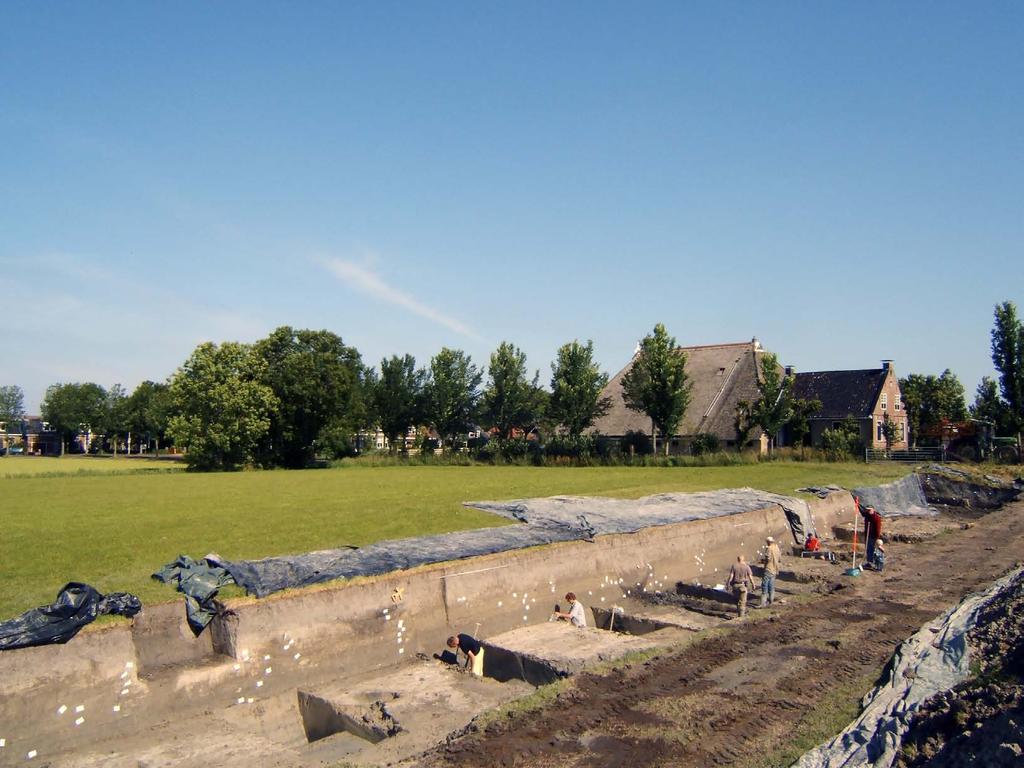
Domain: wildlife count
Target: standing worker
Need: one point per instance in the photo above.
(872, 532)
(771, 560)
(741, 579)
(474, 651)
(576, 616)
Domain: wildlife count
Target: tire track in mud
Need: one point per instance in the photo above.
(730, 700)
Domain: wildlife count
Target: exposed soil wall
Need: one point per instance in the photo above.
(381, 621)
(952, 488)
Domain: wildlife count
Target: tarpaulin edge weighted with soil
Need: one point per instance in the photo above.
(542, 521)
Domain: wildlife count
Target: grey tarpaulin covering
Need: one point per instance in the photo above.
(561, 518)
(76, 605)
(924, 665)
(902, 497)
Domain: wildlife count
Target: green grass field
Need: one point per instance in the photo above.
(113, 530)
(36, 466)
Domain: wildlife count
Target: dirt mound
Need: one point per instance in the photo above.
(956, 488)
(980, 722)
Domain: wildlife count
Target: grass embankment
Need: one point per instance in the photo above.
(59, 466)
(114, 530)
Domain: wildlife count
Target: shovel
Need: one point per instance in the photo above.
(855, 569)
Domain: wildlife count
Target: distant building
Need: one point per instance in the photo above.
(870, 397)
(722, 375)
(32, 435)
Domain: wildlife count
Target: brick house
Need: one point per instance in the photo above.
(870, 397)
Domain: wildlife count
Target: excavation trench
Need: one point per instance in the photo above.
(296, 677)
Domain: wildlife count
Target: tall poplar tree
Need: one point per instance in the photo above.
(510, 400)
(452, 394)
(398, 398)
(775, 405)
(1008, 358)
(576, 386)
(658, 385)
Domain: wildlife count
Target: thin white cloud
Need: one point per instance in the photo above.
(370, 283)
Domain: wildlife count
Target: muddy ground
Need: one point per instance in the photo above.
(762, 690)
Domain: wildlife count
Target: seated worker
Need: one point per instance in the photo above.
(879, 562)
(473, 650)
(576, 615)
(813, 543)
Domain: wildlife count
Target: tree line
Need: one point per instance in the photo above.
(933, 402)
(297, 395)
(301, 394)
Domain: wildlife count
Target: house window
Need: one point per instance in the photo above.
(885, 401)
(896, 403)
(879, 426)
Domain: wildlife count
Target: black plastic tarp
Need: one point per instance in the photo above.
(199, 581)
(542, 521)
(76, 605)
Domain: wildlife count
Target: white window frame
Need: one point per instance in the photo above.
(885, 401)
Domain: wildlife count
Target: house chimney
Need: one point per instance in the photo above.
(756, 343)
(886, 365)
(790, 370)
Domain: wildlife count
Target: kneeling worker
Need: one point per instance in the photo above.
(577, 615)
(474, 651)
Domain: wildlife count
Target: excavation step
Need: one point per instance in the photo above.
(543, 653)
(399, 712)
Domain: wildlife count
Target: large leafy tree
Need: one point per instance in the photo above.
(657, 384)
(951, 404)
(115, 423)
(1008, 358)
(743, 423)
(76, 407)
(510, 400)
(774, 408)
(147, 412)
(452, 394)
(800, 420)
(321, 389)
(12, 404)
(931, 400)
(398, 398)
(222, 407)
(988, 406)
(576, 386)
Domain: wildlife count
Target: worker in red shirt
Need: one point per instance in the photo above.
(872, 530)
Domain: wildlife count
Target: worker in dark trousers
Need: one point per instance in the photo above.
(872, 531)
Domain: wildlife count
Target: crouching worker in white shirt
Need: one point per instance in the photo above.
(577, 615)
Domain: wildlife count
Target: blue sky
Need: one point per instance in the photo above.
(843, 181)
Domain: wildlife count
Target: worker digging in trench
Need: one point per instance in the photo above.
(471, 648)
(577, 615)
